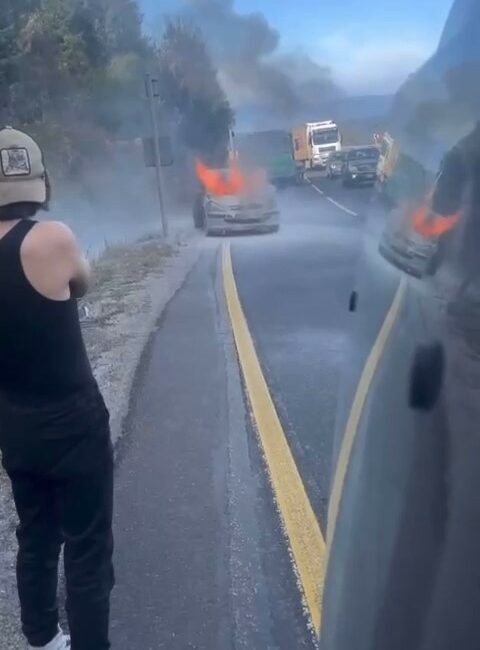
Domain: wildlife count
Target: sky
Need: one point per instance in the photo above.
(371, 46)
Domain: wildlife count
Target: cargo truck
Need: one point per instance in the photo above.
(314, 142)
(271, 150)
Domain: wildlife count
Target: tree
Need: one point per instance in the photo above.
(190, 89)
(123, 27)
(71, 72)
(11, 17)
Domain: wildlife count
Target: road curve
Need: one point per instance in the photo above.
(195, 514)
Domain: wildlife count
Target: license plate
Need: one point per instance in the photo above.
(241, 219)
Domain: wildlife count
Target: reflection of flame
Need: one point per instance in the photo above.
(232, 182)
(432, 227)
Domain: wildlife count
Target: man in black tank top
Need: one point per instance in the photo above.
(54, 426)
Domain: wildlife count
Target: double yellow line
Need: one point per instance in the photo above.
(301, 526)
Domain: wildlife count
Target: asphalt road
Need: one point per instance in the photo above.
(295, 291)
(201, 558)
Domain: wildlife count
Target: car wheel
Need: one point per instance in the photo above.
(198, 213)
(434, 263)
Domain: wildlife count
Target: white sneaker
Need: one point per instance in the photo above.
(60, 642)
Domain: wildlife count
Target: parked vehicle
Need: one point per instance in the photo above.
(271, 150)
(360, 165)
(401, 245)
(388, 156)
(335, 164)
(220, 214)
(313, 142)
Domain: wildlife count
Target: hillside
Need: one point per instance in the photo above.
(355, 108)
(441, 101)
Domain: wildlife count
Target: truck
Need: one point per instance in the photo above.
(271, 150)
(401, 178)
(389, 153)
(313, 142)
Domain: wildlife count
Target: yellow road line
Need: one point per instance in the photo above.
(300, 523)
(356, 411)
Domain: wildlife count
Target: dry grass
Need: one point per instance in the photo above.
(118, 289)
(119, 273)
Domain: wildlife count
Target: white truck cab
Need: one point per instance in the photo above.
(323, 139)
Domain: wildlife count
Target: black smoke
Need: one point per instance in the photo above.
(255, 74)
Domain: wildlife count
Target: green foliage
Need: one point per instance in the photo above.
(73, 67)
(190, 88)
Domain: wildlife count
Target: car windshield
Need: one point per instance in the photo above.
(337, 157)
(325, 136)
(363, 154)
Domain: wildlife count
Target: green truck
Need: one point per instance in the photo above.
(271, 150)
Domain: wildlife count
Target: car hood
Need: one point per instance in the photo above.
(258, 199)
(399, 229)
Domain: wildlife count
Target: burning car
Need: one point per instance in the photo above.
(233, 201)
(402, 245)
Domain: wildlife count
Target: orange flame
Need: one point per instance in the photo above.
(232, 182)
(432, 227)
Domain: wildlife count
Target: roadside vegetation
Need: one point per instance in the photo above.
(72, 74)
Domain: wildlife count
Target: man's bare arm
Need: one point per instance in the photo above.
(70, 265)
(81, 271)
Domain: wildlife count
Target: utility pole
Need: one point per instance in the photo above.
(151, 96)
(233, 151)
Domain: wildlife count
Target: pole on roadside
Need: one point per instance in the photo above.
(151, 95)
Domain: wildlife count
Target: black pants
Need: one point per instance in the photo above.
(63, 491)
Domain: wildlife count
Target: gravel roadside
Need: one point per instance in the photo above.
(132, 286)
